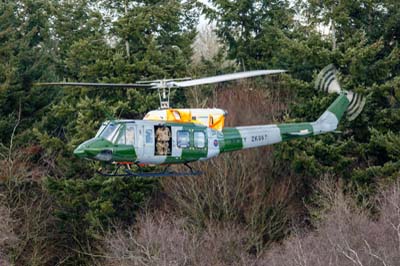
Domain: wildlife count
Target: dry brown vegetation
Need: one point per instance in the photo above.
(225, 216)
(165, 240)
(238, 187)
(7, 236)
(26, 235)
(344, 235)
(27, 226)
(25, 208)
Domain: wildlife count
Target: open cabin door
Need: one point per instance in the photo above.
(158, 144)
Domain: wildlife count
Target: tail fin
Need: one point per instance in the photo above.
(327, 81)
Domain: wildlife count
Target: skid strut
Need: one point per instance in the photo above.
(125, 169)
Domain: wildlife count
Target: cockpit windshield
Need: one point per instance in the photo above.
(101, 129)
(108, 132)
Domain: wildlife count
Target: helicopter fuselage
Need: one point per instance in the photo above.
(151, 142)
(164, 142)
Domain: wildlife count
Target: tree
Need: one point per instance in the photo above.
(367, 54)
(254, 32)
(25, 52)
(159, 35)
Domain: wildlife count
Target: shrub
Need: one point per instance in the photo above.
(84, 208)
(7, 235)
(346, 235)
(160, 239)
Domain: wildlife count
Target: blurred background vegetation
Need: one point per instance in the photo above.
(249, 207)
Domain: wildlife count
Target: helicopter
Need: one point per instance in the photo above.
(170, 136)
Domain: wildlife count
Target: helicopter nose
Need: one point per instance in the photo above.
(80, 151)
(96, 149)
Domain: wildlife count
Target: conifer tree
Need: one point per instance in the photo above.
(25, 54)
(362, 42)
(254, 32)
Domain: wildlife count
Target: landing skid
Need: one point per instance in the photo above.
(126, 170)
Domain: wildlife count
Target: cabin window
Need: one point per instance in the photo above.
(126, 135)
(149, 135)
(183, 139)
(199, 139)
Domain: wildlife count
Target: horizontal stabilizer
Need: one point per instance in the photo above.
(299, 133)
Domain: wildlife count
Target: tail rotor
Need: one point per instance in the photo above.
(327, 81)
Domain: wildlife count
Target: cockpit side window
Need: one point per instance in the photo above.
(122, 135)
(126, 135)
(130, 134)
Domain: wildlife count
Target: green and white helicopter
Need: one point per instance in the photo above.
(180, 136)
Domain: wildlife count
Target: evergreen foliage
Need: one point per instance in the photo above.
(126, 41)
(368, 59)
(364, 47)
(255, 32)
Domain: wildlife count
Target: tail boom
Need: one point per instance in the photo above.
(256, 136)
(239, 138)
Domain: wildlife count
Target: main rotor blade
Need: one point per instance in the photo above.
(227, 77)
(102, 85)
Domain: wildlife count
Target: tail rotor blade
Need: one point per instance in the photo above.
(326, 80)
(357, 103)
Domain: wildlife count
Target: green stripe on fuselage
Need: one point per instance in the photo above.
(232, 140)
(124, 153)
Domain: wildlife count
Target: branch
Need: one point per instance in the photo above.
(10, 148)
(374, 255)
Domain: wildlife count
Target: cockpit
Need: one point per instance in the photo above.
(117, 132)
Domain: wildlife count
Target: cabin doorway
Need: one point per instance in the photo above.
(163, 140)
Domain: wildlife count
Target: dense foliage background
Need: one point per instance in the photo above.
(55, 210)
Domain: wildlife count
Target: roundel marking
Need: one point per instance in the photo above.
(215, 142)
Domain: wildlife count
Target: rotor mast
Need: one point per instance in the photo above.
(163, 87)
(164, 92)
